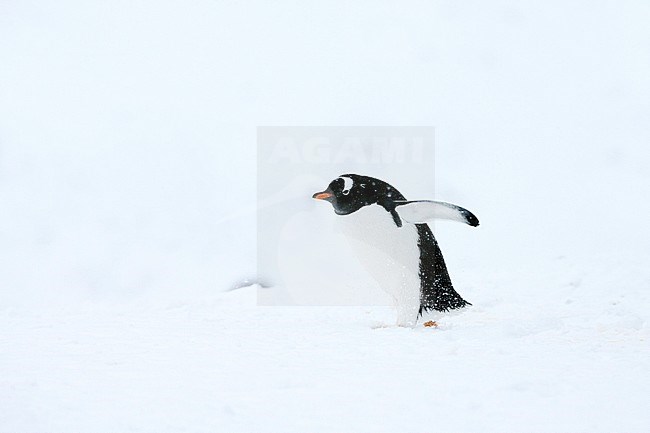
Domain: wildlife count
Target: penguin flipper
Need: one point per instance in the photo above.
(423, 211)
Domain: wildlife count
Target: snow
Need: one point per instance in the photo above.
(224, 364)
(127, 145)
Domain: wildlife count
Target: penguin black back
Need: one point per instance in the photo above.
(436, 290)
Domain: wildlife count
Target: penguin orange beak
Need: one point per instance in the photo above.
(325, 195)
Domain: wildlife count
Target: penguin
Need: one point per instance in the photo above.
(393, 242)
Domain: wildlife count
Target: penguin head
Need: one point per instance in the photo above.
(350, 192)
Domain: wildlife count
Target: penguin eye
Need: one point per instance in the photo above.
(345, 192)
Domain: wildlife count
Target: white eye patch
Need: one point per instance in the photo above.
(348, 183)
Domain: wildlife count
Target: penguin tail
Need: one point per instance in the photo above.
(441, 299)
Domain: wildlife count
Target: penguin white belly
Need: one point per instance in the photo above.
(389, 253)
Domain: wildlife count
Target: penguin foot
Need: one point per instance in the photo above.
(430, 324)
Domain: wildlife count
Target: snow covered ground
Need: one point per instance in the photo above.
(127, 135)
(561, 361)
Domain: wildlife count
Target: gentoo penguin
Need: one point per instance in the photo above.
(394, 243)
